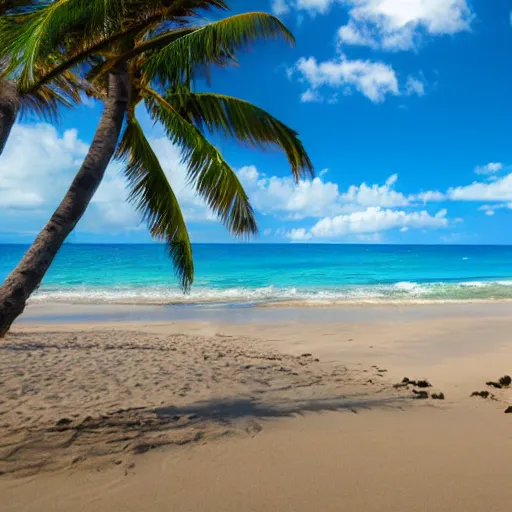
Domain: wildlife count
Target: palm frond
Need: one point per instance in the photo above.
(174, 64)
(154, 198)
(149, 45)
(94, 27)
(245, 122)
(212, 177)
(49, 25)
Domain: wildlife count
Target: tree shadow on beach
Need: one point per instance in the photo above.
(133, 431)
(228, 409)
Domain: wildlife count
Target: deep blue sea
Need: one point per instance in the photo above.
(256, 273)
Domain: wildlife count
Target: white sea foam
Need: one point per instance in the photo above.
(404, 291)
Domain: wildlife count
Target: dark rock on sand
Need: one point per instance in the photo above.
(493, 384)
(420, 395)
(506, 380)
(438, 396)
(508, 410)
(482, 394)
(417, 383)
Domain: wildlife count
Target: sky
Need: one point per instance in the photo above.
(405, 108)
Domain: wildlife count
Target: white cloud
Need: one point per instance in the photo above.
(316, 198)
(376, 195)
(490, 209)
(372, 220)
(354, 35)
(413, 86)
(308, 198)
(320, 6)
(38, 166)
(390, 24)
(400, 24)
(299, 235)
(375, 80)
(35, 167)
(490, 168)
(499, 190)
(430, 196)
(311, 96)
(280, 7)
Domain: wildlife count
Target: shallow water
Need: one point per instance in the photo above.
(273, 274)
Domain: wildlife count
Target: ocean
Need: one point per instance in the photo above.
(255, 274)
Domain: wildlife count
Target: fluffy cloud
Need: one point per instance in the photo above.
(490, 209)
(308, 198)
(489, 169)
(430, 196)
(414, 86)
(38, 166)
(379, 24)
(375, 80)
(311, 96)
(316, 198)
(390, 24)
(400, 24)
(376, 195)
(371, 220)
(499, 190)
(280, 7)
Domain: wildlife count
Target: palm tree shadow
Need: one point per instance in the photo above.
(240, 408)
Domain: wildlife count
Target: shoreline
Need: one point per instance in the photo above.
(76, 313)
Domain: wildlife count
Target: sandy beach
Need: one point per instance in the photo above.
(287, 414)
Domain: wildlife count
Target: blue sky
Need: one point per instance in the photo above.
(404, 106)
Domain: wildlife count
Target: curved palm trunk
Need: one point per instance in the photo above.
(27, 276)
(9, 106)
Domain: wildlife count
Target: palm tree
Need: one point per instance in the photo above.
(41, 41)
(157, 67)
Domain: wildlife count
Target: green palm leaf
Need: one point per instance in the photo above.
(174, 64)
(44, 27)
(245, 122)
(208, 172)
(149, 45)
(154, 198)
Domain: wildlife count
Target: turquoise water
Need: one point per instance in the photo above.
(275, 273)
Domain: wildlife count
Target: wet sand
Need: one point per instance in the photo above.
(279, 415)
